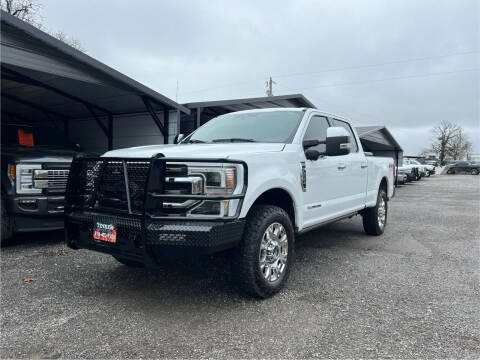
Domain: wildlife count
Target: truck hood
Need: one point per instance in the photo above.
(37, 154)
(214, 151)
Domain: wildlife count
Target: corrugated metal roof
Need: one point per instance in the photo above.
(293, 100)
(40, 57)
(377, 138)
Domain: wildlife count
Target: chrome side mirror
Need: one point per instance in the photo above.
(178, 138)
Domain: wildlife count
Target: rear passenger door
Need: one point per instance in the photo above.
(355, 171)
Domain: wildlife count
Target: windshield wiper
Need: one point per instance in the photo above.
(234, 140)
(195, 141)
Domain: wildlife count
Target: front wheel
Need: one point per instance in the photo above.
(262, 260)
(375, 219)
(474, 172)
(450, 172)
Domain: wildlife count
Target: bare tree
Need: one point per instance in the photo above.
(460, 146)
(29, 11)
(26, 10)
(443, 135)
(68, 40)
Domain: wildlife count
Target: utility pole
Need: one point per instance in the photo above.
(269, 84)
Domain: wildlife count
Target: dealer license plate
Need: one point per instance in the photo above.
(105, 232)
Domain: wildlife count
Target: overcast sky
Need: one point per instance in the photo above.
(407, 64)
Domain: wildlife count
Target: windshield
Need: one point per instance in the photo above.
(30, 136)
(265, 126)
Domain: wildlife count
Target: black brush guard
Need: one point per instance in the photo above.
(144, 227)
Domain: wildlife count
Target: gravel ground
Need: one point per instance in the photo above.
(413, 292)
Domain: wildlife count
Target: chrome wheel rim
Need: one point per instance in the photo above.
(273, 252)
(382, 212)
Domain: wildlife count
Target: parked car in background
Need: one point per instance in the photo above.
(401, 178)
(429, 165)
(422, 169)
(35, 164)
(464, 167)
(447, 162)
(411, 172)
(434, 163)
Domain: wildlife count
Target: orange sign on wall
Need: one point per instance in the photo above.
(25, 138)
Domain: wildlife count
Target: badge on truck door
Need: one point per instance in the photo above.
(105, 232)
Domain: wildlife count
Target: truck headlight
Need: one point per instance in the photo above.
(24, 179)
(217, 181)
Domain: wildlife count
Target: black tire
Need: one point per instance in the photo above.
(129, 263)
(474, 172)
(417, 175)
(7, 228)
(450, 171)
(246, 259)
(371, 224)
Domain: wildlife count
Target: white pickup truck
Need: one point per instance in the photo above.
(248, 181)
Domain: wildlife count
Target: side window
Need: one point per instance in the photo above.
(317, 130)
(347, 127)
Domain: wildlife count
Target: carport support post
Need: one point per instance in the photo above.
(178, 122)
(154, 116)
(166, 114)
(198, 114)
(110, 132)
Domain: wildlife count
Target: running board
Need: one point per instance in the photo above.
(323, 223)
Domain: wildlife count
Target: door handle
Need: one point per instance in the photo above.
(341, 166)
(363, 166)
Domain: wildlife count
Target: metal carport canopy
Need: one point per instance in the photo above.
(377, 138)
(44, 77)
(205, 110)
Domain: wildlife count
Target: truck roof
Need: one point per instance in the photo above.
(304, 109)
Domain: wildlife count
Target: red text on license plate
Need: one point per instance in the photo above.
(105, 232)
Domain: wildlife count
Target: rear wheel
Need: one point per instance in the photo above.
(262, 261)
(129, 263)
(7, 229)
(474, 172)
(375, 219)
(450, 171)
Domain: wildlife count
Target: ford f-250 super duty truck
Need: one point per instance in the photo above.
(35, 164)
(247, 181)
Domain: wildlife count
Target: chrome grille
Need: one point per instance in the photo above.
(54, 179)
(57, 179)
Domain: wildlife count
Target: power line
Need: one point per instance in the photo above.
(337, 69)
(385, 79)
(378, 64)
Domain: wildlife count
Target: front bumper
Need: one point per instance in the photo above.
(36, 213)
(144, 240)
